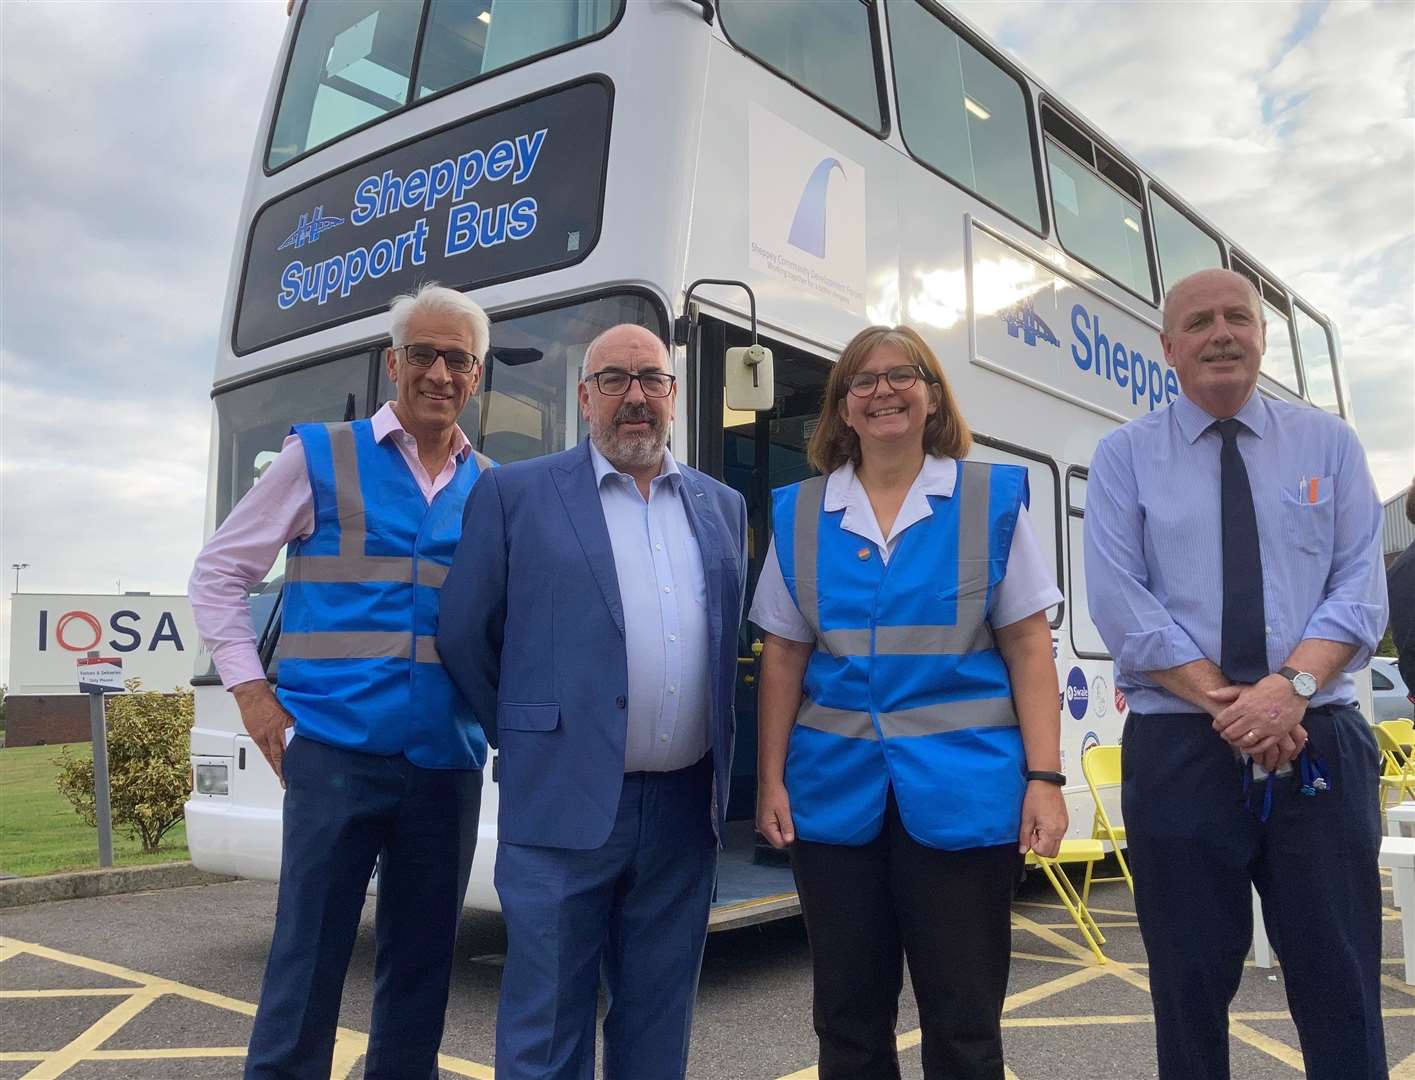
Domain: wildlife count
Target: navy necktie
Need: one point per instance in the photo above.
(1244, 651)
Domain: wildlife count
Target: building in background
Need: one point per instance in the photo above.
(154, 636)
(1398, 533)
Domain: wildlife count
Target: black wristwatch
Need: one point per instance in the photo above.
(1304, 683)
(1059, 779)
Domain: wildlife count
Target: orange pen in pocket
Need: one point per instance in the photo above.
(1312, 490)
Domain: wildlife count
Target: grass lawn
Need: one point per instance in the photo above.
(39, 831)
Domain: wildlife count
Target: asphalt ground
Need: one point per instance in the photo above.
(163, 985)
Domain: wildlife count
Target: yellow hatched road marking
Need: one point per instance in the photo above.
(349, 1044)
(1397, 984)
(59, 1062)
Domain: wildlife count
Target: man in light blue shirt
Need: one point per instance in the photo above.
(593, 629)
(1233, 563)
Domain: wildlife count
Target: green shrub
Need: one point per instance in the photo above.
(149, 763)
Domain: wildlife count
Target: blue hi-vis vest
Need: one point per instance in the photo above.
(906, 687)
(359, 666)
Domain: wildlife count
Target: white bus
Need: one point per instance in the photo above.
(578, 163)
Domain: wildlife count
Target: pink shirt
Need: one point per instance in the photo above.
(278, 509)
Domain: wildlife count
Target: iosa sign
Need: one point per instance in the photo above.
(123, 631)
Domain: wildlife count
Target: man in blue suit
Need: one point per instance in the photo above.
(591, 617)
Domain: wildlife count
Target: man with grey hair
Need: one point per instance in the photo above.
(1233, 567)
(379, 754)
(593, 613)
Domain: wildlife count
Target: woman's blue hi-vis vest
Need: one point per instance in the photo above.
(906, 687)
(358, 645)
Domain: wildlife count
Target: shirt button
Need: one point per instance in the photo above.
(672, 637)
(621, 701)
(673, 689)
(658, 547)
(668, 588)
(1267, 629)
(663, 738)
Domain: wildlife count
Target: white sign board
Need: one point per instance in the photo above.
(100, 674)
(1040, 326)
(153, 635)
(807, 207)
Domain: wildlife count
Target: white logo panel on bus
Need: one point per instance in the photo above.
(1041, 326)
(806, 214)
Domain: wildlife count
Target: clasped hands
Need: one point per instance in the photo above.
(1263, 720)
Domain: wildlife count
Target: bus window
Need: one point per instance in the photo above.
(250, 428)
(253, 420)
(961, 114)
(1279, 360)
(1097, 205)
(1085, 638)
(467, 38)
(527, 404)
(1184, 246)
(1044, 485)
(1316, 361)
(350, 64)
(826, 49)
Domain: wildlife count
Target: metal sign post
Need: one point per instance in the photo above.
(98, 676)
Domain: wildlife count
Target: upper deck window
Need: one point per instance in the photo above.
(1317, 365)
(354, 60)
(1098, 205)
(467, 38)
(1185, 247)
(826, 49)
(962, 114)
(1279, 357)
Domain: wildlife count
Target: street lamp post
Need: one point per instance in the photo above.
(17, 567)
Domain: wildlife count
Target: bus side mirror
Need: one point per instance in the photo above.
(747, 375)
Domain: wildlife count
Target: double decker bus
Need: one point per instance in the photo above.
(574, 164)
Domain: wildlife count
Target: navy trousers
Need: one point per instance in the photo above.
(1196, 844)
(344, 810)
(635, 908)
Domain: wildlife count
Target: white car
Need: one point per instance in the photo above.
(1389, 695)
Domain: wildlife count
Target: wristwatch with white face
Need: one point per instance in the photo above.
(1304, 683)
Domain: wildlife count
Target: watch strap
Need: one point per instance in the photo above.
(1059, 779)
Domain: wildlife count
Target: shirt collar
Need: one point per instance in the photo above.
(1194, 421)
(936, 477)
(603, 467)
(385, 423)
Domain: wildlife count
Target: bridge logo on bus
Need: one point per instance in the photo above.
(808, 226)
(311, 228)
(1022, 318)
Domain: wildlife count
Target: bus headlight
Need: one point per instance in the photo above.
(212, 779)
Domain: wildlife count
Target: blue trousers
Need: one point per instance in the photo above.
(635, 908)
(1195, 846)
(344, 810)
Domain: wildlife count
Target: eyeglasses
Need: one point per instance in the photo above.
(863, 383)
(426, 355)
(616, 383)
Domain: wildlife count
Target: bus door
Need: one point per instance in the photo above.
(754, 453)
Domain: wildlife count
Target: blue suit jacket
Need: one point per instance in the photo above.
(531, 629)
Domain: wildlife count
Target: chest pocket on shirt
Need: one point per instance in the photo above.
(1310, 524)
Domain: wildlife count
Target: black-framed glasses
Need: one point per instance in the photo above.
(458, 360)
(616, 383)
(863, 383)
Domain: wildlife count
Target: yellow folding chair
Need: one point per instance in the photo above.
(1101, 766)
(1396, 739)
(1072, 852)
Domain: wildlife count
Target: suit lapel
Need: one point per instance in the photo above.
(705, 528)
(580, 495)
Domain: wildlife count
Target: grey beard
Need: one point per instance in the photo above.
(629, 451)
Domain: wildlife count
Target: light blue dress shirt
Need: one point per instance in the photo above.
(664, 593)
(1154, 556)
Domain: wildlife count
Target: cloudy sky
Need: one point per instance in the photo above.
(126, 131)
